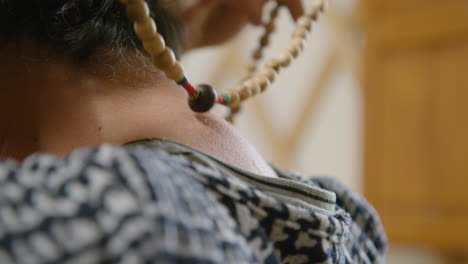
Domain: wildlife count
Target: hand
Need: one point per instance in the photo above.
(211, 22)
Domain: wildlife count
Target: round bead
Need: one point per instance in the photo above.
(205, 100)
(274, 63)
(264, 41)
(298, 44)
(269, 73)
(313, 15)
(257, 54)
(225, 98)
(262, 82)
(253, 87)
(243, 92)
(274, 12)
(175, 72)
(285, 58)
(323, 5)
(270, 27)
(300, 33)
(293, 50)
(236, 109)
(155, 45)
(234, 96)
(145, 29)
(165, 60)
(313, 12)
(304, 22)
(137, 10)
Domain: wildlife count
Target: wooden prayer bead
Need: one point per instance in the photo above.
(244, 92)
(269, 73)
(262, 82)
(155, 45)
(312, 16)
(253, 87)
(235, 109)
(299, 43)
(145, 29)
(274, 12)
(313, 12)
(265, 41)
(270, 27)
(300, 33)
(205, 100)
(234, 97)
(257, 55)
(164, 60)
(322, 5)
(175, 72)
(256, 88)
(285, 58)
(137, 10)
(304, 22)
(293, 50)
(274, 63)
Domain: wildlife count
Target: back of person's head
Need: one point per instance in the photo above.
(77, 29)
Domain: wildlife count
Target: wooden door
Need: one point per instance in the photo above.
(416, 135)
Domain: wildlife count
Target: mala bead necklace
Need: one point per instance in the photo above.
(257, 55)
(203, 97)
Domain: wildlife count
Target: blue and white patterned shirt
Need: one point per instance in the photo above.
(157, 201)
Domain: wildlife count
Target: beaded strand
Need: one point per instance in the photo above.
(263, 79)
(203, 97)
(257, 55)
(264, 41)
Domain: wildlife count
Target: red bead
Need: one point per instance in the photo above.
(204, 99)
(221, 99)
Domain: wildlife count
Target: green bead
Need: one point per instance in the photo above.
(183, 81)
(227, 99)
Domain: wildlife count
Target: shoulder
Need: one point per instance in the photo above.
(110, 203)
(77, 176)
(367, 235)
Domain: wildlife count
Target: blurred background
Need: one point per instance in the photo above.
(379, 100)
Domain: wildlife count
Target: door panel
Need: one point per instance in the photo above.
(416, 96)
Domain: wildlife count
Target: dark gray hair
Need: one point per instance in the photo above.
(77, 29)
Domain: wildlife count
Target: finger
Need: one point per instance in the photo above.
(254, 10)
(191, 10)
(296, 8)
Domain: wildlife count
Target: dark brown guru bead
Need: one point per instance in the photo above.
(204, 100)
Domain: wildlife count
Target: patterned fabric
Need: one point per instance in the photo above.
(157, 201)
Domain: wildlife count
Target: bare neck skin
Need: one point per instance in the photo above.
(56, 108)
